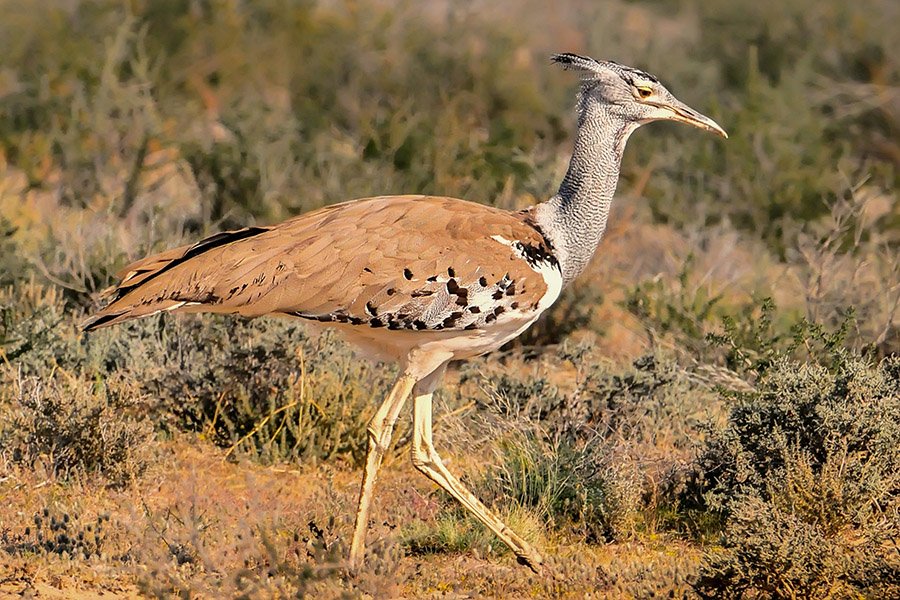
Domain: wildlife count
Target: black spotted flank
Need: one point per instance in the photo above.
(461, 318)
(451, 320)
(461, 293)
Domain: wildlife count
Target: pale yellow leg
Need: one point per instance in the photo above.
(380, 429)
(426, 459)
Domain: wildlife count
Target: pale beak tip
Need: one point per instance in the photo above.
(686, 114)
(715, 128)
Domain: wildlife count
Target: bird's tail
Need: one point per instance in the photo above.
(145, 288)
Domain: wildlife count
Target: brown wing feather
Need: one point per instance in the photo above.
(413, 262)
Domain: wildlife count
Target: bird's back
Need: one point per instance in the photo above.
(414, 263)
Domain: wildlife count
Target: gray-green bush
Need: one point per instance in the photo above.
(77, 427)
(807, 475)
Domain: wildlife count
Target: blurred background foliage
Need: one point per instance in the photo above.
(130, 128)
(742, 283)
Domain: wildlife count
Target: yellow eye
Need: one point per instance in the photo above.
(644, 92)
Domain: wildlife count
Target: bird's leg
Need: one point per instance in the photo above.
(380, 429)
(425, 458)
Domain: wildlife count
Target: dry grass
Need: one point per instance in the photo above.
(206, 527)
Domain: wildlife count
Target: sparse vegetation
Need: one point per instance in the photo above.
(712, 410)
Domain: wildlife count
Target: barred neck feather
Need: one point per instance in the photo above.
(575, 218)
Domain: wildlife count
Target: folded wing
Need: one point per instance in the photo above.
(401, 262)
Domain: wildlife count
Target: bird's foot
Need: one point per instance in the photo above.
(532, 560)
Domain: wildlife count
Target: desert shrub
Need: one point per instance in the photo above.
(770, 551)
(850, 299)
(31, 330)
(675, 306)
(252, 136)
(76, 426)
(806, 473)
(708, 326)
(11, 262)
(589, 457)
(794, 113)
(852, 408)
(583, 488)
(653, 402)
(262, 387)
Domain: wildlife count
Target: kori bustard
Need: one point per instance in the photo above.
(418, 280)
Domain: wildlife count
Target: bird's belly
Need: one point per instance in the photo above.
(430, 346)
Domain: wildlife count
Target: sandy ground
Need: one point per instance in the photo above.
(216, 517)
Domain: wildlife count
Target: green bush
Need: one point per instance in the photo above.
(852, 408)
(586, 489)
(771, 551)
(593, 456)
(807, 473)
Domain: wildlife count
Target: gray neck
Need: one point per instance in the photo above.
(575, 218)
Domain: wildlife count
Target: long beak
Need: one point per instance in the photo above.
(685, 114)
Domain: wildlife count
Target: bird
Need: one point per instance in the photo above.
(418, 280)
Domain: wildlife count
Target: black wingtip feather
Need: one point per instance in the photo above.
(99, 321)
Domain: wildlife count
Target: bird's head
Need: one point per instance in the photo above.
(630, 94)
